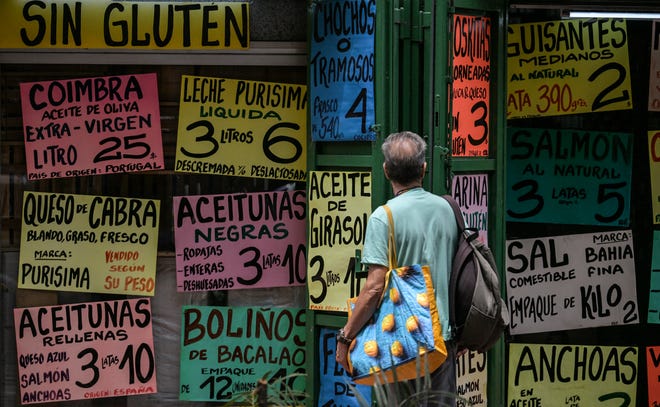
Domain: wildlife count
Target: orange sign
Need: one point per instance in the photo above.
(471, 86)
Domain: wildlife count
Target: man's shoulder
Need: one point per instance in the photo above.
(421, 198)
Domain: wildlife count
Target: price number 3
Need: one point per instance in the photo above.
(529, 197)
(139, 363)
(206, 143)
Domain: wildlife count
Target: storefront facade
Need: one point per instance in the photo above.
(186, 173)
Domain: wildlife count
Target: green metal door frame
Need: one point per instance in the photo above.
(493, 165)
(417, 66)
(411, 92)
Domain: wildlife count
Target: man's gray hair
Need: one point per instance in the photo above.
(404, 156)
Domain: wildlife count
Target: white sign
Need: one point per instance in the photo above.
(471, 379)
(571, 282)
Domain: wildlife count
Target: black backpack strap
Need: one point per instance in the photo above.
(460, 222)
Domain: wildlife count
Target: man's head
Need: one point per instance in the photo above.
(404, 157)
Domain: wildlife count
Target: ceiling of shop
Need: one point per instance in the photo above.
(620, 5)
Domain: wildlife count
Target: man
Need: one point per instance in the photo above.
(425, 233)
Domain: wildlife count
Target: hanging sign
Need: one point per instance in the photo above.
(471, 379)
(654, 74)
(571, 282)
(103, 24)
(567, 67)
(339, 205)
(568, 176)
(336, 387)
(85, 351)
(471, 86)
(341, 70)
(225, 351)
(471, 193)
(234, 241)
(572, 375)
(242, 128)
(87, 243)
(91, 126)
(653, 374)
(654, 166)
(653, 316)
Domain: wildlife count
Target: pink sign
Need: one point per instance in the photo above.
(92, 126)
(234, 241)
(85, 350)
(471, 193)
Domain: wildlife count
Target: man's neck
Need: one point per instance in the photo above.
(399, 189)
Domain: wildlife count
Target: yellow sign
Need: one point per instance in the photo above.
(339, 205)
(572, 375)
(567, 67)
(87, 243)
(100, 24)
(654, 165)
(242, 128)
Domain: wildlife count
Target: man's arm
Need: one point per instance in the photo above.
(366, 305)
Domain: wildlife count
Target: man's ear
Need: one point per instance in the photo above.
(385, 172)
(424, 169)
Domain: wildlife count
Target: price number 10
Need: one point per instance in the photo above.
(131, 360)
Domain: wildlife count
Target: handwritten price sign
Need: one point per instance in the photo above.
(568, 176)
(86, 350)
(471, 86)
(335, 385)
(91, 126)
(341, 70)
(339, 206)
(571, 282)
(88, 243)
(238, 241)
(572, 375)
(224, 121)
(568, 67)
(226, 350)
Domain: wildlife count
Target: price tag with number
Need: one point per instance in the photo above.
(339, 206)
(242, 128)
(341, 70)
(571, 282)
(236, 241)
(568, 67)
(86, 350)
(568, 176)
(225, 351)
(91, 126)
(471, 86)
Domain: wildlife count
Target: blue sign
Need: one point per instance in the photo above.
(341, 70)
(336, 387)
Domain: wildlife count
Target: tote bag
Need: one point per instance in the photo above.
(403, 339)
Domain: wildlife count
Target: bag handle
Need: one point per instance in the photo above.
(391, 251)
(391, 245)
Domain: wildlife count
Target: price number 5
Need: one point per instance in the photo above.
(530, 197)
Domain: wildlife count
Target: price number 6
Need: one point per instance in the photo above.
(208, 145)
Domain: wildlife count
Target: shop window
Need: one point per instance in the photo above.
(161, 184)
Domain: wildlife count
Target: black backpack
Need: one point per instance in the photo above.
(477, 313)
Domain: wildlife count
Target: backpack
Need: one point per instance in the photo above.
(477, 313)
